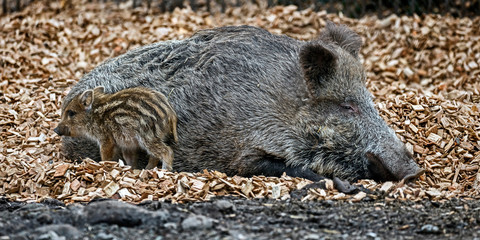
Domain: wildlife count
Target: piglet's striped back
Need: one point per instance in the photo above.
(144, 109)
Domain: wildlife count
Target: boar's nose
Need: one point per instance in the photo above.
(404, 168)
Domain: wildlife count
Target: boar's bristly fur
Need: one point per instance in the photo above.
(125, 122)
(250, 102)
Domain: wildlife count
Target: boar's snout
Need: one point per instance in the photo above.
(57, 131)
(401, 166)
(61, 130)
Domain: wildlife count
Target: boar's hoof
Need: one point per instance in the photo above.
(345, 186)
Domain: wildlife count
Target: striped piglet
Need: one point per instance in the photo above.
(124, 122)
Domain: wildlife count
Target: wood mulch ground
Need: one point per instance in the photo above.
(423, 72)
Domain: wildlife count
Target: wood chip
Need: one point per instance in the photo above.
(434, 138)
(418, 108)
(61, 170)
(111, 188)
(386, 186)
(425, 86)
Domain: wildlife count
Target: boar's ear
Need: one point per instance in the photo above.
(318, 64)
(343, 37)
(86, 99)
(99, 89)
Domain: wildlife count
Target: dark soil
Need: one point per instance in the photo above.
(235, 218)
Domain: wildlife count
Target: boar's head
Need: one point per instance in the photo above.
(76, 118)
(353, 141)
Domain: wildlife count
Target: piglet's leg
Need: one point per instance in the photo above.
(152, 162)
(160, 151)
(130, 156)
(107, 149)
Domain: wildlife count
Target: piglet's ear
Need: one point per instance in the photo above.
(318, 63)
(86, 99)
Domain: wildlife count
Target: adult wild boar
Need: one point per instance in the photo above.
(253, 103)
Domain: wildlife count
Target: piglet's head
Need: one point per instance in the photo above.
(75, 120)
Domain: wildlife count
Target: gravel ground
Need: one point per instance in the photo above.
(412, 63)
(235, 218)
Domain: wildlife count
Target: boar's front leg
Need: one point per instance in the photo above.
(278, 168)
(302, 173)
(79, 148)
(270, 165)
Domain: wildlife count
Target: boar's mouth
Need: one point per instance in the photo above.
(380, 172)
(413, 175)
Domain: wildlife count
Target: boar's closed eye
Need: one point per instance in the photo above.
(71, 113)
(349, 107)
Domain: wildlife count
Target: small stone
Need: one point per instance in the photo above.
(105, 236)
(372, 235)
(429, 228)
(56, 231)
(194, 222)
(237, 235)
(51, 235)
(45, 218)
(312, 236)
(224, 205)
(170, 225)
(114, 212)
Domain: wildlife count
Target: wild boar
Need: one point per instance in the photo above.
(127, 121)
(253, 103)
